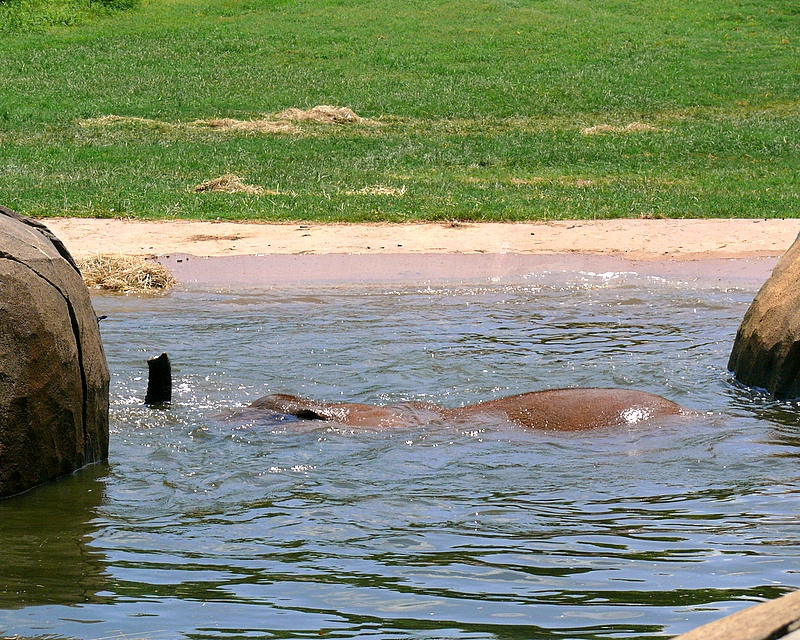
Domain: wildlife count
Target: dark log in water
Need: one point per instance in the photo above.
(159, 380)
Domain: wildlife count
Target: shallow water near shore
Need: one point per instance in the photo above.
(210, 521)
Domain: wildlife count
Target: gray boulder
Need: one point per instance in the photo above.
(766, 352)
(53, 370)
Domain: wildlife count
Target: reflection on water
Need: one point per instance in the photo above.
(44, 535)
(213, 523)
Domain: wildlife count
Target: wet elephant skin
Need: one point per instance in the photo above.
(555, 410)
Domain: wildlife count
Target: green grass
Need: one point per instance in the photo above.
(36, 15)
(476, 109)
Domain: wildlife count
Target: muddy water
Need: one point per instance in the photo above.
(210, 522)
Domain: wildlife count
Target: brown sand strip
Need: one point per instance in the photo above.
(255, 254)
(633, 239)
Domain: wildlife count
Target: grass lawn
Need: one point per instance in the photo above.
(482, 110)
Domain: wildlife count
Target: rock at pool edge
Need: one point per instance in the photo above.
(53, 370)
(766, 352)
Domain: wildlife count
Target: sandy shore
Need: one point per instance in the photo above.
(256, 253)
(632, 239)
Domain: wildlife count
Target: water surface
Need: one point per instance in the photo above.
(211, 523)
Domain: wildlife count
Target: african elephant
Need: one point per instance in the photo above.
(555, 410)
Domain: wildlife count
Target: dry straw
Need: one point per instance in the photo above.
(125, 274)
(230, 183)
(633, 127)
(253, 126)
(379, 190)
(323, 113)
(112, 119)
(277, 124)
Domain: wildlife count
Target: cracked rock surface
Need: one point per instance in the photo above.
(53, 371)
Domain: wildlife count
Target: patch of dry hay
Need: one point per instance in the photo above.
(640, 127)
(524, 182)
(112, 119)
(323, 113)
(218, 124)
(600, 128)
(125, 274)
(379, 190)
(279, 123)
(255, 126)
(230, 183)
(633, 127)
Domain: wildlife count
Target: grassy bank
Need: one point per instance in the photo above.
(503, 110)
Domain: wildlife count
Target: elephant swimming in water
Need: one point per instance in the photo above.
(555, 410)
(552, 409)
